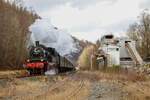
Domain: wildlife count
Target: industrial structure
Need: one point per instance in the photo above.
(118, 51)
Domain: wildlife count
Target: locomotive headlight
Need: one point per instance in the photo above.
(42, 60)
(28, 60)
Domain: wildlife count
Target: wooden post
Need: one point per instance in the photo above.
(91, 62)
(92, 56)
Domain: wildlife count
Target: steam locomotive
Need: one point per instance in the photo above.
(42, 59)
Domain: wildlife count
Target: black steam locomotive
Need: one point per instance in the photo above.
(42, 59)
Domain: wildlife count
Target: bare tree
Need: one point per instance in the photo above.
(140, 32)
(14, 33)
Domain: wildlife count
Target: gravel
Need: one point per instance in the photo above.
(107, 91)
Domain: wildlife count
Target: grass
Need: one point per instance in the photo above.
(40, 88)
(63, 92)
(12, 73)
(115, 73)
(60, 93)
(8, 68)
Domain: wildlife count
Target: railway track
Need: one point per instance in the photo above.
(49, 88)
(76, 91)
(60, 83)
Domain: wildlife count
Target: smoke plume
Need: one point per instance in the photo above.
(42, 30)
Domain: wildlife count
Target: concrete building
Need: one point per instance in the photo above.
(120, 51)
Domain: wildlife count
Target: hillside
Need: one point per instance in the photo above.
(80, 45)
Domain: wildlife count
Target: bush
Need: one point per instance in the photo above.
(84, 61)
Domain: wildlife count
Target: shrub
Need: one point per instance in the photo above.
(84, 61)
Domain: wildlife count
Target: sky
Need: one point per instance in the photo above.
(90, 19)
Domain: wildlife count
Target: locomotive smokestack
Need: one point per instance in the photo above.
(37, 43)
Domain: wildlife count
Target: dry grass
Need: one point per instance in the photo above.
(113, 75)
(53, 88)
(138, 90)
(34, 90)
(124, 74)
(64, 92)
(137, 85)
(12, 73)
(20, 88)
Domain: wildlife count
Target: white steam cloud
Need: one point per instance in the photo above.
(43, 31)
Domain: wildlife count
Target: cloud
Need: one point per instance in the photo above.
(42, 5)
(93, 17)
(92, 33)
(120, 26)
(88, 19)
(145, 4)
(84, 3)
(85, 28)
